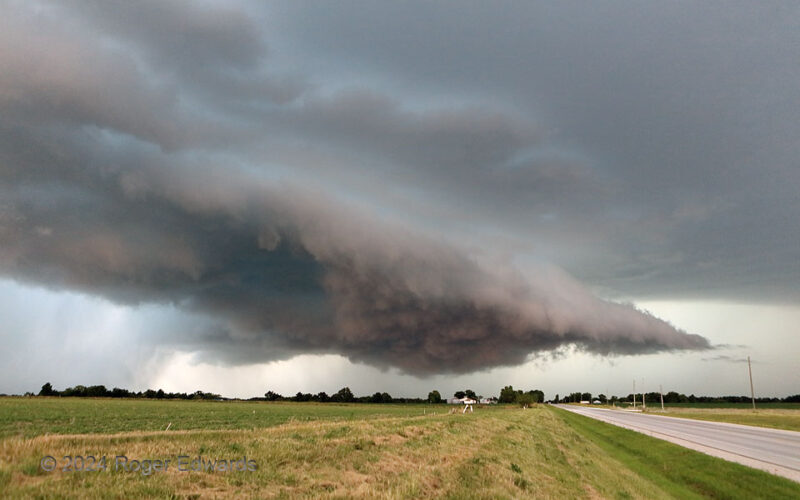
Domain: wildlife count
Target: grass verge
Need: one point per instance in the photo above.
(773, 418)
(678, 471)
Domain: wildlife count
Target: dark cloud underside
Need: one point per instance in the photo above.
(387, 183)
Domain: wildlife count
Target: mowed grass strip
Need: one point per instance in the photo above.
(678, 471)
(493, 453)
(773, 418)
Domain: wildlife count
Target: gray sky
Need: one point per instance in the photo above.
(300, 196)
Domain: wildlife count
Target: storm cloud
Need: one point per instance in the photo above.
(426, 187)
(292, 271)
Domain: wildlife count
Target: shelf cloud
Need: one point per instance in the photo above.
(436, 189)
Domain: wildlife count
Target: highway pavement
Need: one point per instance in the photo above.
(772, 450)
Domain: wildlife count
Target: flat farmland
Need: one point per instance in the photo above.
(28, 417)
(351, 451)
(775, 418)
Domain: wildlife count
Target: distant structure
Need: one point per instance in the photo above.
(468, 402)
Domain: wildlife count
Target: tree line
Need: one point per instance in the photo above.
(100, 391)
(508, 395)
(344, 395)
(670, 397)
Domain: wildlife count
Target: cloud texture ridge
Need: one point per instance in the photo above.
(167, 154)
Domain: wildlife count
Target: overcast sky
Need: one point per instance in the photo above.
(241, 197)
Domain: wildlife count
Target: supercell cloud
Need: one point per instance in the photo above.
(311, 188)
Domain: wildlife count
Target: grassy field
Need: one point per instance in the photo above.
(784, 416)
(739, 406)
(345, 451)
(773, 418)
(28, 417)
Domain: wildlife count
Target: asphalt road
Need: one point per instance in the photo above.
(772, 450)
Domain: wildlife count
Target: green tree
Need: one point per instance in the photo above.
(47, 390)
(434, 397)
(272, 396)
(345, 395)
(507, 395)
(459, 394)
(526, 400)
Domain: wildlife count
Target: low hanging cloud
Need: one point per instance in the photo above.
(165, 161)
(291, 271)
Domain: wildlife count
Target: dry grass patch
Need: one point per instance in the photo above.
(493, 453)
(490, 454)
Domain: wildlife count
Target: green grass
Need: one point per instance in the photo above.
(307, 450)
(743, 406)
(502, 452)
(28, 417)
(678, 471)
(773, 418)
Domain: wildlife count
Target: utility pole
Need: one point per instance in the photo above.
(752, 392)
(661, 392)
(644, 403)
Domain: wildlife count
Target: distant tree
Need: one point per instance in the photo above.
(556, 398)
(116, 392)
(323, 397)
(204, 395)
(602, 397)
(302, 397)
(459, 394)
(47, 390)
(525, 400)
(586, 396)
(345, 395)
(507, 395)
(470, 394)
(272, 396)
(385, 397)
(375, 398)
(434, 397)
